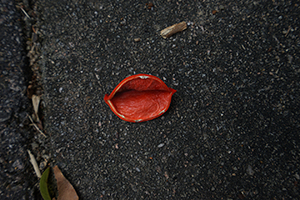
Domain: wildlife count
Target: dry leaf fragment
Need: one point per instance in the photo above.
(35, 102)
(34, 164)
(64, 187)
(171, 30)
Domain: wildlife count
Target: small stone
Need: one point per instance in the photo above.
(297, 176)
(160, 145)
(150, 5)
(34, 145)
(249, 170)
(18, 164)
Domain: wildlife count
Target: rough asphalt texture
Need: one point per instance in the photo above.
(232, 130)
(14, 166)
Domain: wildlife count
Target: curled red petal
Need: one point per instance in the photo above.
(139, 98)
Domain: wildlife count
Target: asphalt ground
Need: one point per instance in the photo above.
(232, 130)
(15, 170)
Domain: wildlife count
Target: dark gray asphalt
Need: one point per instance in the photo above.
(15, 170)
(232, 130)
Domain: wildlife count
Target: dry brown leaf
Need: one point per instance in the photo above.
(35, 102)
(64, 187)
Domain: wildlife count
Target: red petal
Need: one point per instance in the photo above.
(139, 98)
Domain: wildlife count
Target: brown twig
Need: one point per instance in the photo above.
(171, 30)
(287, 32)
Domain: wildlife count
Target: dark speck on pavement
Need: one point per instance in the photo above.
(232, 130)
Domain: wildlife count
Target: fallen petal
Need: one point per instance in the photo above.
(139, 98)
